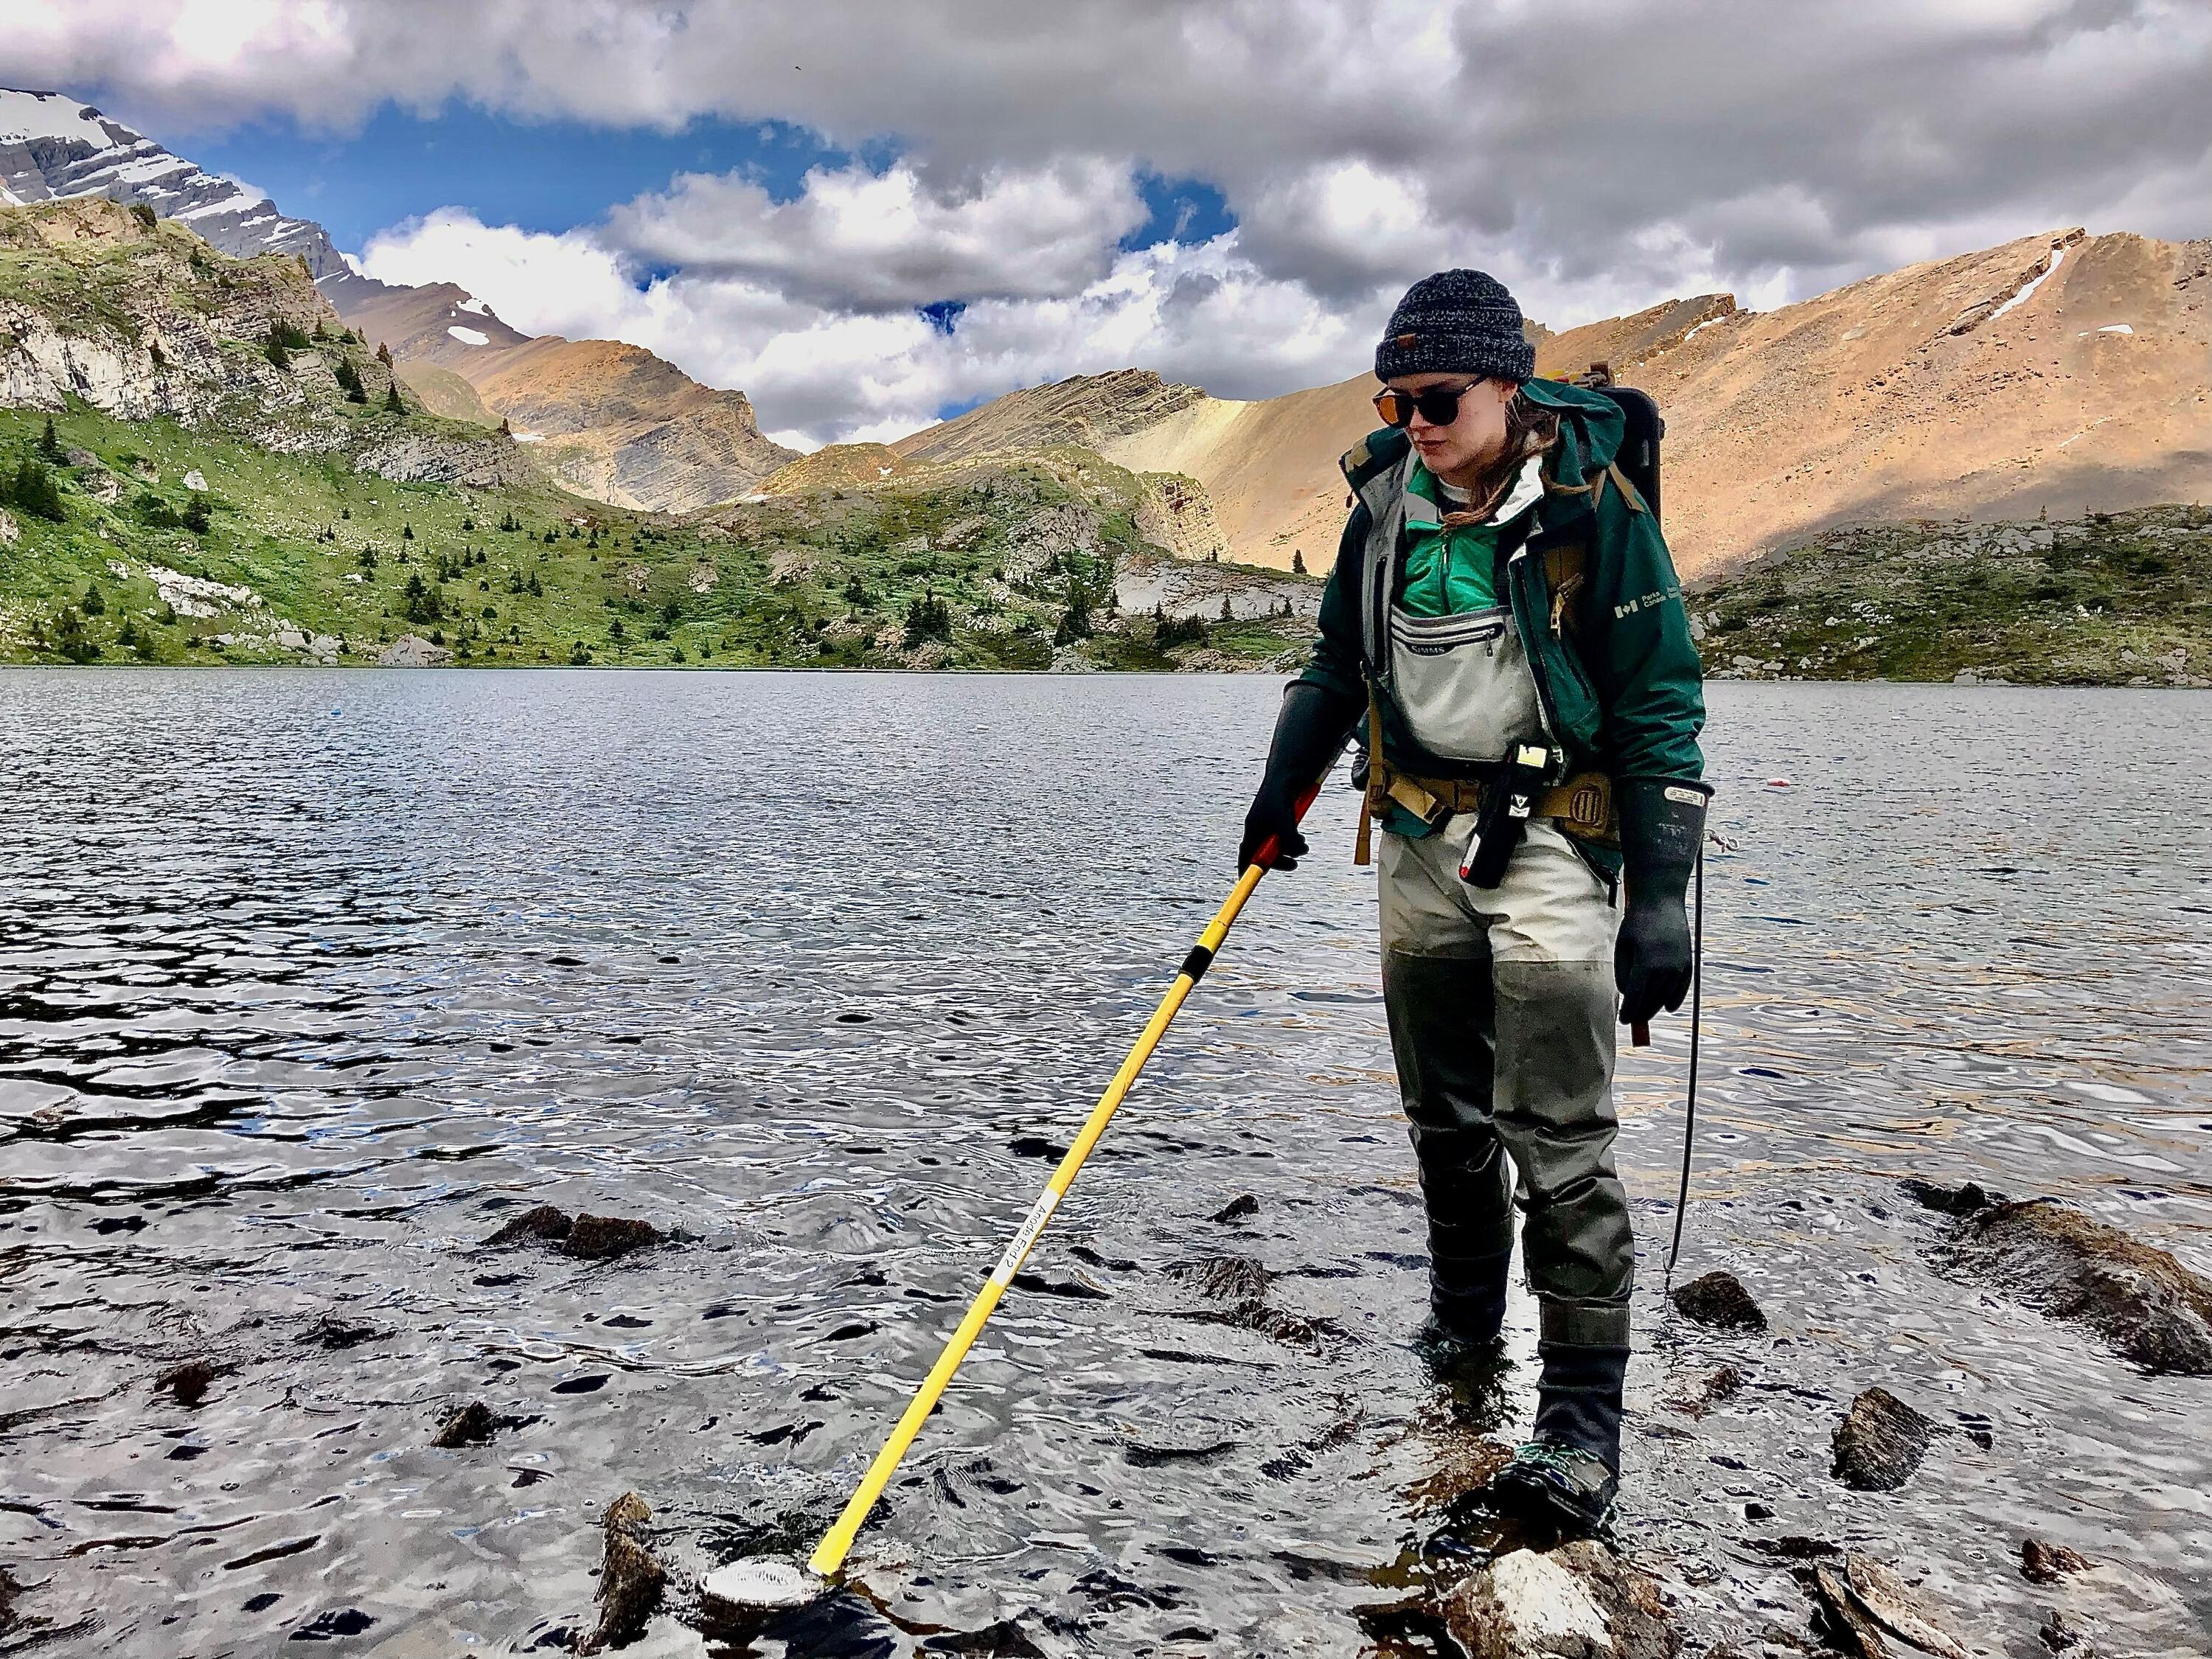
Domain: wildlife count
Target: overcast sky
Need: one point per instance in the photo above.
(866, 213)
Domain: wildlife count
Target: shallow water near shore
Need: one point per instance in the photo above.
(309, 982)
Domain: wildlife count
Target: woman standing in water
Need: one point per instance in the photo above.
(1506, 626)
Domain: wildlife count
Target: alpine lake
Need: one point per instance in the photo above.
(312, 981)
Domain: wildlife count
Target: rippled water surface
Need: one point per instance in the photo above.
(309, 982)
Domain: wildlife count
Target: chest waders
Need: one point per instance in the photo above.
(1500, 991)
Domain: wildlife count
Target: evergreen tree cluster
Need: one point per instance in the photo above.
(32, 489)
(928, 617)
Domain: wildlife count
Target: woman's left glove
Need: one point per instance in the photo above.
(1662, 823)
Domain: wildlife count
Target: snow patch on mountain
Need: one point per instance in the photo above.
(53, 146)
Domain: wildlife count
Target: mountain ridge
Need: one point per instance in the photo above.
(665, 443)
(2059, 373)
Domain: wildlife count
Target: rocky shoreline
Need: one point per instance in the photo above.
(1472, 1584)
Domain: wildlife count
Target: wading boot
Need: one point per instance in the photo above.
(1550, 1480)
(1570, 1471)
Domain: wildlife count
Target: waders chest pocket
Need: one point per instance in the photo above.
(1463, 683)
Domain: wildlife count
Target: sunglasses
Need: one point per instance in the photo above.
(1438, 404)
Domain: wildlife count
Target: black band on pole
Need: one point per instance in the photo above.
(1195, 964)
(1690, 1093)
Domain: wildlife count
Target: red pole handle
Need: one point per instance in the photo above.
(1264, 856)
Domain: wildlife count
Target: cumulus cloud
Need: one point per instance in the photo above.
(819, 371)
(891, 240)
(1599, 154)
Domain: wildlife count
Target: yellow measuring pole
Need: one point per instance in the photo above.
(830, 1554)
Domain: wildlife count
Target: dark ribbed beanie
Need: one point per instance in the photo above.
(1457, 322)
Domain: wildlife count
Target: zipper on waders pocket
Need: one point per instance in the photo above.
(1535, 655)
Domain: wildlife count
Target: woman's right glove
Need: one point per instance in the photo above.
(1662, 823)
(1309, 733)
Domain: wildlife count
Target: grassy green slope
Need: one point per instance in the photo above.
(2113, 599)
(832, 582)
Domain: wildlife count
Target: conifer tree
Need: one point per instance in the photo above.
(391, 399)
(50, 443)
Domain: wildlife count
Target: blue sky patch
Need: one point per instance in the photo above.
(942, 314)
(1186, 210)
(542, 176)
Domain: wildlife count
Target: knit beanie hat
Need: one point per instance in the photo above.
(1457, 322)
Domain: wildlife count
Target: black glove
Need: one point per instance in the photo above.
(1309, 733)
(1662, 821)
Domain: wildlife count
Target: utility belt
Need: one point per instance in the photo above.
(1581, 806)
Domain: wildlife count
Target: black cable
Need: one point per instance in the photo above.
(1690, 1094)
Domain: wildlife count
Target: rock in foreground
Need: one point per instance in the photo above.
(186, 1383)
(1720, 1300)
(2046, 1563)
(2152, 1310)
(472, 1425)
(1880, 1442)
(1898, 1608)
(1578, 1602)
(631, 1582)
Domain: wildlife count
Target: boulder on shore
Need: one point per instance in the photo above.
(1578, 1602)
(1880, 1442)
(413, 651)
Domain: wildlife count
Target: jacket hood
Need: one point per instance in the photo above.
(1591, 427)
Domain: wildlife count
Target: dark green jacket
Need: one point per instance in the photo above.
(1619, 679)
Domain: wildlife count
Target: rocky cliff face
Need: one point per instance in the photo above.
(144, 322)
(1088, 411)
(619, 423)
(613, 421)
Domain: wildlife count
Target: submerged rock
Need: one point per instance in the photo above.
(2046, 1563)
(1893, 1604)
(1239, 1286)
(1880, 1442)
(1720, 1300)
(2059, 1633)
(186, 1383)
(543, 1222)
(1578, 1602)
(2147, 1306)
(1723, 1383)
(1848, 1625)
(602, 1238)
(332, 1332)
(631, 1582)
(1003, 1640)
(471, 1424)
(1969, 1200)
(590, 1237)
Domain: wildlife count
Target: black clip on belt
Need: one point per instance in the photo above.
(1507, 806)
